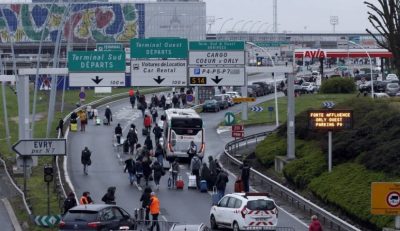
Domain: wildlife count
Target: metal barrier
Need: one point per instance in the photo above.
(146, 224)
(296, 200)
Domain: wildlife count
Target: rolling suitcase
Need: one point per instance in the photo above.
(105, 121)
(139, 214)
(98, 121)
(238, 185)
(192, 182)
(214, 196)
(73, 127)
(179, 182)
(145, 131)
(203, 186)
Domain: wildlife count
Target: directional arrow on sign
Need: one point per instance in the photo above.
(97, 80)
(217, 79)
(159, 79)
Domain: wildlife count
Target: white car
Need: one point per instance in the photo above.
(234, 94)
(392, 77)
(244, 211)
(309, 87)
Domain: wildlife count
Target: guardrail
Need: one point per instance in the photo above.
(327, 218)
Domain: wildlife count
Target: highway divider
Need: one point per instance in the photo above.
(296, 200)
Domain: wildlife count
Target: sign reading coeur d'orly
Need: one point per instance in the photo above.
(96, 68)
(216, 63)
(159, 62)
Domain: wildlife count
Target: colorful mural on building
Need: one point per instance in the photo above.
(81, 23)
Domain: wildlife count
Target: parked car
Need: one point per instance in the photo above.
(392, 89)
(266, 87)
(222, 101)
(229, 98)
(211, 105)
(257, 89)
(97, 217)
(245, 211)
(392, 77)
(309, 87)
(200, 227)
(250, 92)
(234, 94)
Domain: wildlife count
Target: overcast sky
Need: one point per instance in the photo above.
(293, 15)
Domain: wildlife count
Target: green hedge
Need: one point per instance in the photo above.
(338, 85)
(272, 146)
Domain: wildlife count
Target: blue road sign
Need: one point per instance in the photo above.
(189, 98)
(270, 108)
(328, 104)
(257, 108)
(82, 95)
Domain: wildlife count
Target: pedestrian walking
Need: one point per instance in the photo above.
(154, 210)
(158, 172)
(132, 139)
(168, 102)
(85, 199)
(132, 100)
(175, 100)
(147, 123)
(69, 202)
(130, 167)
(192, 151)
(83, 118)
(213, 171)
(60, 127)
(159, 154)
(205, 174)
(162, 101)
(109, 197)
(131, 92)
(146, 165)
(86, 160)
(118, 133)
(157, 131)
(315, 225)
(245, 175)
(195, 165)
(145, 199)
(95, 114)
(154, 114)
(149, 143)
(139, 171)
(108, 115)
(175, 171)
(222, 180)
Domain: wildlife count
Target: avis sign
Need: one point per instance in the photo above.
(314, 54)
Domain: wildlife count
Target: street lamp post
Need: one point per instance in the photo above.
(192, 25)
(212, 23)
(370, 66)
(223, 24)
(259, 28)
(255, 23)
(275, 95)
(244, 24)
(233, 28)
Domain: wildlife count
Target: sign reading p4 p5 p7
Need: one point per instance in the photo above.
(216, 63)
(159, 62)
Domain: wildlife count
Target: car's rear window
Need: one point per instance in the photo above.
(260, 205)
(393, 85)
(80, 215)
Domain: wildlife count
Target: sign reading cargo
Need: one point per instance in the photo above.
(96, 68)
(328, 119)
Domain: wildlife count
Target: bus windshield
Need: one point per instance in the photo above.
(186, 126)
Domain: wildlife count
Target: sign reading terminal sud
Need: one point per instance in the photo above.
(328, 119)
(96, 61)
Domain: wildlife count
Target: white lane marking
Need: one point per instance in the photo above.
(285, 211)
(223, 129)
(163, 217)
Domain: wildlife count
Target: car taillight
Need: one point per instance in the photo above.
(170, 147)
(244, 211)
(93, 225)
(61, 225)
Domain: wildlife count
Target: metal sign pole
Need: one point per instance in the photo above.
(329, 151)
(25, 174)
(244, 90)
(397, 222)
(290, 120)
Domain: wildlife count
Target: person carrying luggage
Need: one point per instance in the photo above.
(175, 171)
(146, 163)
(154, 210)
(85, 159)
(132, 139)
(109, 197)
(192, 151)
(147, 123)
(154, 114)
(108, 115)
(83, 119)
(96, 115)
(145, 199)
(162, 101)
(168, 102)
(245, 175)
(159, 154)
(149, 143)
(205, 174)
(195, 165)
(213, 171)
(158, 172)
(130, 167)
(157, 131)
(139, 171)
(69, 202)
(118, 133)
(222, 180)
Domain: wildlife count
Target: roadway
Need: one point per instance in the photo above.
(186, 206)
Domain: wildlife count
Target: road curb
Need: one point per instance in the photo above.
(11, 214)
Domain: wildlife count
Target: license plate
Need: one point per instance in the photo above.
(262, 219)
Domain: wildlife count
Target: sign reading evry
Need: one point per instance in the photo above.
(330, 119)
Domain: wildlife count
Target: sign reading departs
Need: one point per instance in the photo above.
(41, 147)
(330, 119)
(161, 48)
(96, 61)
(385, 198)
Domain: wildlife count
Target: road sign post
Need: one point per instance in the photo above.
(229, 119)
(385, 200)
(238, 131)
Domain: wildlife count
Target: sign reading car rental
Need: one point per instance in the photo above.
(96, 61)
(158, 72)
(162, 48)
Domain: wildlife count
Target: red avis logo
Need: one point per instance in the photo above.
(315, 54)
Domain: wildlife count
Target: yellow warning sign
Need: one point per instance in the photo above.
(385, 198)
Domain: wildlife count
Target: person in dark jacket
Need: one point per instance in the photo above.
(139, 171)
(118, 133)
(159, 154)
(154, 114)
(149, 143)
(85, 159)
(245, 175)
(132, 100)
(60, 127)
(109, 197)
(130, 167)
(132, 139)
(158, 172)
(69, 202)
(146, 169)
(157, 133)
(205, 174)
(162, 101)
(213, 171)
(222, 180)
(145, 199)
(108, 115)
(315, 225)
(175, 101)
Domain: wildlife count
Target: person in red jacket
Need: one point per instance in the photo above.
(315, 225)
(147, 123)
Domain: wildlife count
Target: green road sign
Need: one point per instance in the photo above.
(109, 47)
(96, 61)
(272, 43)
(229, 119)
(161, 48)
(216, 45)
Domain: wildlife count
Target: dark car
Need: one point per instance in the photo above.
(268, 88)
(250, 92)
(257, 89)
(97, 217)
(222, 101)
(211, 105)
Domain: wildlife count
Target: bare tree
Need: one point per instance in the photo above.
(384, 16)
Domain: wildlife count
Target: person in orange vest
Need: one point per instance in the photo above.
(154, 211)
(85, 199)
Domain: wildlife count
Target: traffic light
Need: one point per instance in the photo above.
(48, 173)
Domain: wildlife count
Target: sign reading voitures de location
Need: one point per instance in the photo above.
(159, 72)
(41, 147)
(216, 63)
(109, 47)
(329, 119)
(96, 61)
(161, 48)
(385, 198)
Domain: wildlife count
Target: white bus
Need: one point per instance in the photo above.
(181, 126)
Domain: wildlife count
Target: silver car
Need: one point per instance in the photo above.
(392, 89)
